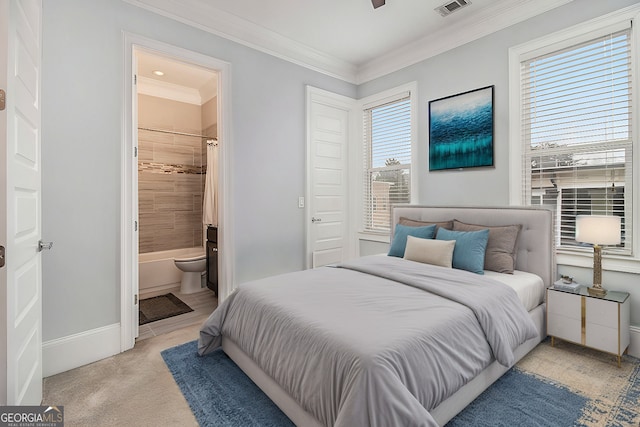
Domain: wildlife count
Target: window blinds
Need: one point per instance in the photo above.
(387, 159)
(576, 127)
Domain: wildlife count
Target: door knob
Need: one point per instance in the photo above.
(44, 245)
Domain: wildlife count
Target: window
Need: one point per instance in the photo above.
(575, 131)
(387, 159)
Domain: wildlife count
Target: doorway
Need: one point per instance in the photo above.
(178, 221)
(177, 106)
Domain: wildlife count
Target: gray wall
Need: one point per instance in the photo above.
(482, 63)
(82, 102)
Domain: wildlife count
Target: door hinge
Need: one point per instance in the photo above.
(2, 251)
(135, 79)
(135, 225)
(3, 99)
(135, 299)
(135, 151)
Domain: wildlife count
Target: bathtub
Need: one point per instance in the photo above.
(158, 274)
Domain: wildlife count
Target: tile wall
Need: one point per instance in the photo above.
(171, 172)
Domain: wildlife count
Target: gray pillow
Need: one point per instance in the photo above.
(502, 247)
(413, 223)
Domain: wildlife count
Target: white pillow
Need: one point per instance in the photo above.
(430, 251)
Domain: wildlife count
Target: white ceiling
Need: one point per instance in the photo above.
(181, 81)
(349, 39)
(350, 30)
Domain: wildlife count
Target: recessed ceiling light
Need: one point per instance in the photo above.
(158, 73)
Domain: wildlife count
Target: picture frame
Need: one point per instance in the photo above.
(461, 130)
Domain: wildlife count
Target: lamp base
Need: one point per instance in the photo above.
(597, 292)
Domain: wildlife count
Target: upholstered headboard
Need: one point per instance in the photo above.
(536, 251)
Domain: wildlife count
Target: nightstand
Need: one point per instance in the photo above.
(601, 323)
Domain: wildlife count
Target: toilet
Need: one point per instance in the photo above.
(192, 267)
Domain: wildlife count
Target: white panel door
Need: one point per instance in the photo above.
(21, 50)
(328, 122)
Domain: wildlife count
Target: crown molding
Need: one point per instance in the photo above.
(215, 21)
(151, 87)
(501, 14)
(496, 17)
(207, 93)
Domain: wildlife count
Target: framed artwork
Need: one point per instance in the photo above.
(461, 130)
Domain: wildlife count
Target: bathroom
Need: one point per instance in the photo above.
(177, 180)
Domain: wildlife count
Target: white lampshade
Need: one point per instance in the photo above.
(598, 229)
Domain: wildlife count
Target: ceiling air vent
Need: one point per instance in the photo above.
(451, 7)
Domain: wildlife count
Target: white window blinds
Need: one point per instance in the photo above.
(387, 159)
(576, 127)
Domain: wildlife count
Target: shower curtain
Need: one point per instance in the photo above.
(210, 202)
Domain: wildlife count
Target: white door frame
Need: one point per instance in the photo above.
(316, 95)
(129, 188)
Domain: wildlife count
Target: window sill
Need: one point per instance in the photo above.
(609, 262)
(374, 237)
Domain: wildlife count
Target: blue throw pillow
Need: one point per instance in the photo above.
(401, 233)
(468, 253)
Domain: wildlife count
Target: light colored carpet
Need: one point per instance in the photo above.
(133, 388)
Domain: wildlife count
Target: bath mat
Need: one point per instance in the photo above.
(161, 307)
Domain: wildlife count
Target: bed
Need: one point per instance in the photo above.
(388, 340)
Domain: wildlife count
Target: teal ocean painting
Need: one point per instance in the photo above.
(461, 130)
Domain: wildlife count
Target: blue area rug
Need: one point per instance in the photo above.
(220, 394)
(520, 399)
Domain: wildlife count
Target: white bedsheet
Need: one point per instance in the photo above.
(528, 286)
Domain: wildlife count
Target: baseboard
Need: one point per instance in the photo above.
(159, 290)
(634, 345)
(63, 354)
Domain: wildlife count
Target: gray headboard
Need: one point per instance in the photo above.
(536, 251)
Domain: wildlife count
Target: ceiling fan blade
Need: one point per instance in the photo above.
(377, 3)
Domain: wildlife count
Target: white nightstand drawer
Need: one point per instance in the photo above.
(564, 304)
(602, 312)
(602, 338)
(564, 327)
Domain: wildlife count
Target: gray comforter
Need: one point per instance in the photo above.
(377, 342)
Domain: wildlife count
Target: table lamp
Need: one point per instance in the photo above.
(598, 230)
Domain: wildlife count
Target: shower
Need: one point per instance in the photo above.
(177, 123)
